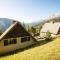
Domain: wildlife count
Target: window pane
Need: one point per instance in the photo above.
(9, 42)
(14, 41)
(28, 38)
(24, 39)
(5, 42)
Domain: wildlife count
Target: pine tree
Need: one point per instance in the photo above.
(33, 30)
(24, 25)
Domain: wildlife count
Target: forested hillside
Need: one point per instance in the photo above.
(4, 24)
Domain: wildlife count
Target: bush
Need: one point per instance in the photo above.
(48, 39)
(48, 36)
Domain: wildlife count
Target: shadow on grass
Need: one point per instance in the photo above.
(36, 44)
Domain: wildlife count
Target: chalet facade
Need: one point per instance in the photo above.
(15, 37)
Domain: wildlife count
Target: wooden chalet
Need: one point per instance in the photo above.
(15, 37)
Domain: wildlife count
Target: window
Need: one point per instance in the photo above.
(12, 41)
(9, 42)
(24, 39)
(5, 42)
(28, 38)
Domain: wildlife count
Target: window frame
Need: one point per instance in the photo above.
(10, 41)
(25, 39)
(5, 42)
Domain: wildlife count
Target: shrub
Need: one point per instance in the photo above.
(48, 36)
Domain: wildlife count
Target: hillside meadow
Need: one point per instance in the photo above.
(48, 51)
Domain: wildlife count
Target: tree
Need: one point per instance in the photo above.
(33, 30)
(24, 25)
(48, 36)
(29, 29)
(40, 28)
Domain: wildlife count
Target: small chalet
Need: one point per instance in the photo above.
(53, 28)
(15, 37)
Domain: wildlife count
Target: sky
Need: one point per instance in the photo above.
(28, 10)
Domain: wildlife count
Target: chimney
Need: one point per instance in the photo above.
(14, 21)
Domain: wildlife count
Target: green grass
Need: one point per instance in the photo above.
(49, 51)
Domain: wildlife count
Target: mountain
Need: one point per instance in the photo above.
(4, 24)
(56, 15)
(54, 18)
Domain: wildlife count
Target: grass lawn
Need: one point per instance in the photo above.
(49, 51)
